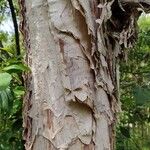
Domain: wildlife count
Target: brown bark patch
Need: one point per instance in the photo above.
(49, 118)
(89, 147)
(61, 44)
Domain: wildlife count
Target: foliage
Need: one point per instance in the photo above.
(4, 9)
(134, 126)
(11, 92)
(11, 85)
(3, 6)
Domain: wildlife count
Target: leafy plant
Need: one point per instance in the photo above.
(11, 94)
(133, 128)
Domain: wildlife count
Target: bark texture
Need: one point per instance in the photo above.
(73, 49)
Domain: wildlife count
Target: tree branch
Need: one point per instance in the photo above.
(15, 27)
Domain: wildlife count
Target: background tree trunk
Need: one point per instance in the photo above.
(73, 49)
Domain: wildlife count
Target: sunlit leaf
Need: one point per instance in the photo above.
(7, 50)
(16, 68)
(19, 91)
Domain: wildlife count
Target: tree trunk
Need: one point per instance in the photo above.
(73, 50)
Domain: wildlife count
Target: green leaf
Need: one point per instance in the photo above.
(6, 100)
(16, 67)
(5, 79)
(141, 95)
(19, 91)
(7, 50)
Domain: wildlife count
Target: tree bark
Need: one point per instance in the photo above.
(73, 50)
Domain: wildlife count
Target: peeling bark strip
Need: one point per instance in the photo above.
(75, 47)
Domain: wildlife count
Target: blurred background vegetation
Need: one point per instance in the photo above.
(11, 82)
(133, 129)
